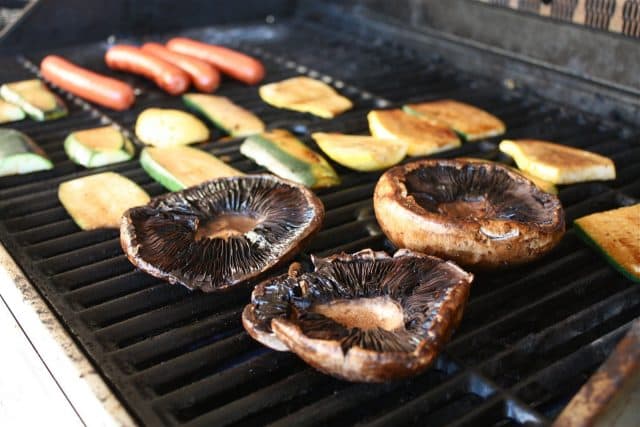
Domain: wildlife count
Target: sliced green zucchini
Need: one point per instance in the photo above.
(92, 148)
(423, 138)
(98, 201)
(10, 112)
(286, 156)
(470, 122)
(19, 154)
(616, 234)
(224, 114)
(35, 99)
(180, 167)
(558, 164)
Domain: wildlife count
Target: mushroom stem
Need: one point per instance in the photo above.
(364, 313)
(226, 226)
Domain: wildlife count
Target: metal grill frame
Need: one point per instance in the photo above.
(476, 374)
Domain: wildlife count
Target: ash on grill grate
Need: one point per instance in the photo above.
(181, 358)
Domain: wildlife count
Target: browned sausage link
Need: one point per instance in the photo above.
(131, 59)
(235, 64)
(204, 76)
(86, 84)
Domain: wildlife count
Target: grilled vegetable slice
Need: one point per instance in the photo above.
(422, 137)
(362, 153)
(469, 121)
(557, 163)
(180, 167)
(615, 233)
(92, 148)
(98, 201)
(35, 99)
(162, 127)
(19, 154)
(286, 156)
(306, 95)
(231, 118)
(10, 112)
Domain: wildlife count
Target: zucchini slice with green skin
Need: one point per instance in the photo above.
(19, 154)
(10, 112)
(470, 122)
(224, 114)
(176, 168)
(286, 156)
(616, 234)
(98, 201)
(422, 137)
(92, 148)
(35, 99)
(557, 163)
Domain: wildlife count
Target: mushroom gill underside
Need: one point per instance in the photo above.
(220, 233)
(399, 305)
(477, 190)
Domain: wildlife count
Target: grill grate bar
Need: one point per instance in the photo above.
(111, 288)
(574, 326)
(581, 363)
(143, 325)
(293, 387)
(225, 386)
(206, 360)
(503, 323)
(169, 344)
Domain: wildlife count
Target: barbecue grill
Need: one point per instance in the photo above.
(531, 336)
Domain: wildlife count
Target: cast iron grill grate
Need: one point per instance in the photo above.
(530, 336)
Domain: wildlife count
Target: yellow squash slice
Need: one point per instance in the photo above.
(306, 95)
(362, 153)
(615, 233)
(469, 121)
(10, 112)
(557, 163)
(98, 201)
(421, 136)
(167, 127)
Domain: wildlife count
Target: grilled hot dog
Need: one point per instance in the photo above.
(131, 59)
(204, 77)
(94, 87)
(237, 65)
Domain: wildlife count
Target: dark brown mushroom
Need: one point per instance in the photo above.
(221, 232)
(364, 317)
(478, 213)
